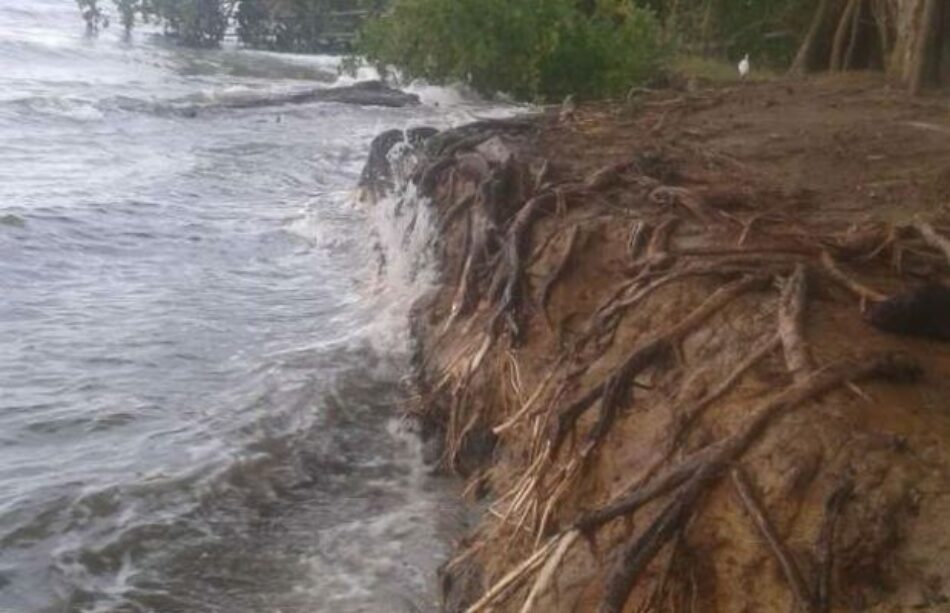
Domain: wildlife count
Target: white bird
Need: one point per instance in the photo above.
(744, 67)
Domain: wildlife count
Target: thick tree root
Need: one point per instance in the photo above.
(791, 324)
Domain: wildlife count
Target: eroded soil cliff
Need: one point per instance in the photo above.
(691, 351)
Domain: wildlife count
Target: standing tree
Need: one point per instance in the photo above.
(903, 37)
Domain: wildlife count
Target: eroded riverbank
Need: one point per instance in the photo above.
(667, 356)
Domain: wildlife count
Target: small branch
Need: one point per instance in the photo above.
(779, 551)
(608, 176)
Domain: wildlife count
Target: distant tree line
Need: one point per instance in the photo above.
(545, 49)
(280, 25)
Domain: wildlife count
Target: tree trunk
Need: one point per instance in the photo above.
(841, 33)
(914, 45)
(925, 51)
(881, 15)
(806, 52)
(855, 32)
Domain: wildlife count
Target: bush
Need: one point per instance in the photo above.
(531, 49)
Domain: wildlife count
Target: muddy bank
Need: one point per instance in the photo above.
(690, 351)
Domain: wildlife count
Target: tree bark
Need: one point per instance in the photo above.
(841, 33)
(848, 62)
(925, 48)
(806, 52)
(881, 16)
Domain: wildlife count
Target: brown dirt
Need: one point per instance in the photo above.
(787, 453)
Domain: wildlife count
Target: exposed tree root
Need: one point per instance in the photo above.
(685, 198)
(729, 449)
(690, 478)
(555, 275)
(687, 416)
(638, 238)
(653, 603)
(529, 404)
(546, 576)
(513, 578)
(866, 294)
(825, 545)
(705, 362)
(793, 575)
(934, 238)
(612, 389)
(637, 555)
(791, 324)
(513, 275)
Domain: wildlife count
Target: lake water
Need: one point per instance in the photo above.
(199, 358)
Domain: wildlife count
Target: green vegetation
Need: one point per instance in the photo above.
(527, 48)
(768, 30)
(546, 49)
(281, 25)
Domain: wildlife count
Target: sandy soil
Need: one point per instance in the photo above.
(681, 354)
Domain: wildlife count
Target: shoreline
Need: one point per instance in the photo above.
(679, 355)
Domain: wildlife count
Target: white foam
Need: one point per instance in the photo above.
(402, 231)
(443, 96)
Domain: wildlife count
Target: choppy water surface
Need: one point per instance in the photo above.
(198, 362)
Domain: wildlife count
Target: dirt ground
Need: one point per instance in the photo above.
(692, 351)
